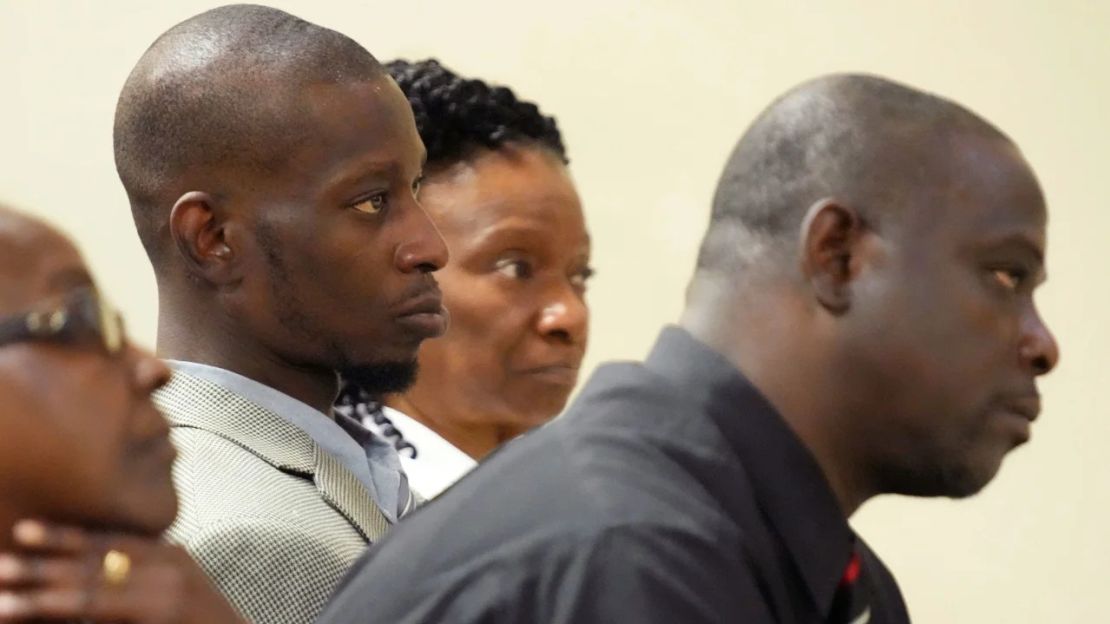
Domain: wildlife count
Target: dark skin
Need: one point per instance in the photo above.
(918, 343)
(269, 269)
(81, 439)
(56, 578)
(272, 267)
(516, 290)
(81, 442)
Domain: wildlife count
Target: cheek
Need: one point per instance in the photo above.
(98, 426)
(968, 337)
(488, 318)
(900, 346)
(471, 365)
(941, 364)
(74, 409)
(332, 269)
(78, 446)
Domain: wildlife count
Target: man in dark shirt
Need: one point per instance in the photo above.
(860, 322)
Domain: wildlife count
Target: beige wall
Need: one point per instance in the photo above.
(651, 94)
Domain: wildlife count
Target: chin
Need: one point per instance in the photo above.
(517, 428)
(151, 514)
(951, 480)
(540, 410)
(381, 378)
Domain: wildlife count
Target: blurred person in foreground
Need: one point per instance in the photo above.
(497, 186)
(860, 321)
(81, 443)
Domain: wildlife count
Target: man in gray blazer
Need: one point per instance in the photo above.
(272, 167)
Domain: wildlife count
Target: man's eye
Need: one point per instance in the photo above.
(1011, 279)
(371, 205)
(516, 269)
(416, 184)
(581, 278)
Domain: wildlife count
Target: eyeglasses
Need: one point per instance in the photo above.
(84, 314)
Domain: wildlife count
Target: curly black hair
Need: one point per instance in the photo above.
(457, 115)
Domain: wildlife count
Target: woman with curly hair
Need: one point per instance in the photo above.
(497, 186)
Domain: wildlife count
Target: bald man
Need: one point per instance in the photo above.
(860, 322)
(272, 165)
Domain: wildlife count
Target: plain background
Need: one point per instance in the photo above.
(651, 95)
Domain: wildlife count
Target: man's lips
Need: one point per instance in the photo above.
(428, 301)
(1018, 413)
(424, 313)
(1027, 406)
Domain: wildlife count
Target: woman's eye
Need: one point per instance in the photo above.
(516, 269)
(1011, 279)
(416, 185)
(371, 205)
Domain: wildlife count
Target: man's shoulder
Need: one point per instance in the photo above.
(613, 464)
(208, 460)
(628, 451)
(639, 442)
(271, 569)
(266, 537)
(221, 483)
(641, 403)
(551, 574)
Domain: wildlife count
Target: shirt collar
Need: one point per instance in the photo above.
(789, 487)
(438, 463)
(373, 462)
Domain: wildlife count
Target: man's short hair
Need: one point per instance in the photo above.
(215, 92)
(858, 138)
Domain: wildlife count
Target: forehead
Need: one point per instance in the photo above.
(984, 190)
(36, 263)
(356, 127)
(511, 185)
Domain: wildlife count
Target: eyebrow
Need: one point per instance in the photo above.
(369, 168)
(1024, 245)
(360, 172)
(507, 237)
(1022, 241)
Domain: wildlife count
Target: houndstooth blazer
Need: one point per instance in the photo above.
(272, 519)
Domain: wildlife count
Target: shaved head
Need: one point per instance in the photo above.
(870, 264)
(217, 100)
(862, 139)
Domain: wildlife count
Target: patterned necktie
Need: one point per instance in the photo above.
(850, 602)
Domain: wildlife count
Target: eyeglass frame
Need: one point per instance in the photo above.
(84, 309)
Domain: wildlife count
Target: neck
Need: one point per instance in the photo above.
(212, 338)
(760, 336)
(463, 434)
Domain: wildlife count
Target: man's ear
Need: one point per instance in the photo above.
(200, 231)
(831, 238)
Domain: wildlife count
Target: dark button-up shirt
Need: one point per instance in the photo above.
(671, 492)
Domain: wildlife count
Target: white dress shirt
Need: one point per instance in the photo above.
(437, 464)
